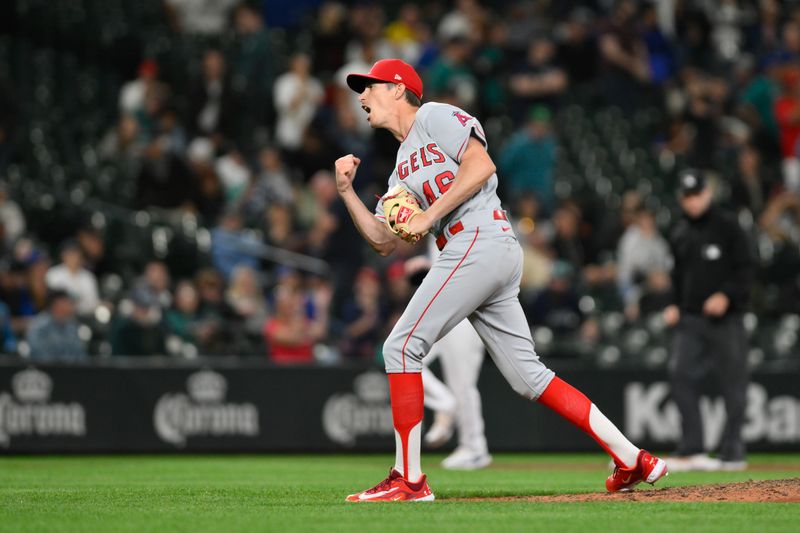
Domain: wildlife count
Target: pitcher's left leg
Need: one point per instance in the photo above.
(504, 329)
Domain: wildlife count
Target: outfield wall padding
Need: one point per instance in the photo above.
(241, 406)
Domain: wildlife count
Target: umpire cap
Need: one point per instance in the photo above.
(690, 181)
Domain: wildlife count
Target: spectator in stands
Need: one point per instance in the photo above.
(367, 21)
(298, 96)
(787, 113)
(11, 217)
(490, 62)
(234, 174)
(279, 228)
(271, 185)
(538, 81)
(170, 132)
(290, 334)
(780, 220)
(90, 240)
(557, 307)
(17, 294)
(132, 95)
(625, 65)
(658, 46)
(53, 334)
(567, 242)
(642, 252)
(209, 196)
(198, 17)
(758, 98)
(450, 79)
(37, 264)
(24, 288)
(764, 33)
(537, 265)
(123, 143)
(330, 236)
(462, 21)
(183, 319)
(349, 115)
(213, 106)
(246, 297)
(751, 187)
(403, 34)
(147, 117)
(363, 316)
(577, 49)
(72, 277)
(329, 37)
(253, 61)
(214, 310)
(324, 222)
(656, 293)
(705, 99)
(612, 226)
(528, 160)
(232, 246)
(164, 179)
(790, 42)
(155, 280)
(139, 333)
(8, 340)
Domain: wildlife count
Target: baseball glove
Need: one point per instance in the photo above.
(399, 207)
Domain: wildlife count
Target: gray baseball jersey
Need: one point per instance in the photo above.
(477, 274)
(428, 159)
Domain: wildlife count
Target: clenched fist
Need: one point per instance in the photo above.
(346, 167)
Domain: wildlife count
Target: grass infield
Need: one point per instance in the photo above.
(305, 493)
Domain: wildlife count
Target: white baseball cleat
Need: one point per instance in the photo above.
(441, 430)
(733, 466)
(464, 459)
(699, 462)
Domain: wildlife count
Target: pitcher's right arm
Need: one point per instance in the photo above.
(373, 230)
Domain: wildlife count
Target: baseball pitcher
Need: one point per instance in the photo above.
(444, 182)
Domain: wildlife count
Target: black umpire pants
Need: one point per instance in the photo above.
(703, 345)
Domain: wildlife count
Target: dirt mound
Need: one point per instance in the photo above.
(776, 491)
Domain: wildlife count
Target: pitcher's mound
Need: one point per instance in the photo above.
(776, 490)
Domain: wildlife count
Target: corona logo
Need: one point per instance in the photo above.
(365, 412)
(30, 414)
(32, 385)
(203, 412)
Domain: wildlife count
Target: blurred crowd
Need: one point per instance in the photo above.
(243, 137)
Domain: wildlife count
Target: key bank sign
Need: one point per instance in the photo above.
(203, 412)
(28, 411)
(649, 414)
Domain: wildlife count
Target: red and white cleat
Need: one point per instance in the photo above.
(649, 469)
(395, 488)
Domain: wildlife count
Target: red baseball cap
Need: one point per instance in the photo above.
(389, 71)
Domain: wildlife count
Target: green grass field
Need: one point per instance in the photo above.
(305, 493)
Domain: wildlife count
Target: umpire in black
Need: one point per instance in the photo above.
(712, 277)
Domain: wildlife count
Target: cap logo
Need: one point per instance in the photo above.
(397, 77)
(690, 181)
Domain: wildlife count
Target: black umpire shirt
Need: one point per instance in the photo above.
(712, 254)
